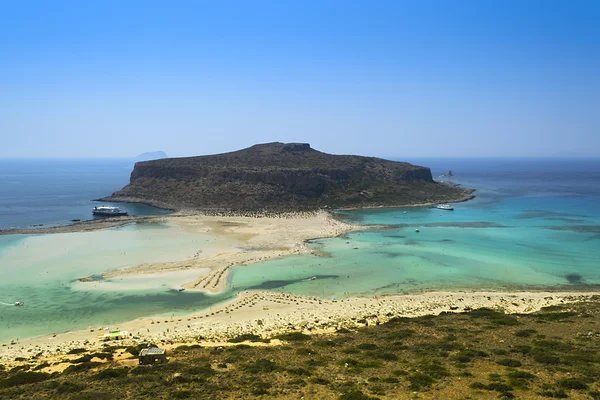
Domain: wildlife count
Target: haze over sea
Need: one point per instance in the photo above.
(535, 224)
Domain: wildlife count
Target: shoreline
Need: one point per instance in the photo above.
(267, 314)
(467, 197)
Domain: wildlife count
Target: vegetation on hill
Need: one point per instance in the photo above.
(554, 353)
(282, 177)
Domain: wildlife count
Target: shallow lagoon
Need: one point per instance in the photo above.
(42, 271)
(469, 248)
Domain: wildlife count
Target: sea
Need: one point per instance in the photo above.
(533, 225)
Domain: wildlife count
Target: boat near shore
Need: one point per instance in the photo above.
(106, 211)
(446, 207)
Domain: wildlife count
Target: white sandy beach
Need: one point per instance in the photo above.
(268, 314)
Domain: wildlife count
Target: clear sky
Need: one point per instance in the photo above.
(384, 78)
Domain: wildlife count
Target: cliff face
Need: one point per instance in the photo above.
(281, 177)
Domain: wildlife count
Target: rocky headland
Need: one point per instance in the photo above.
(281, 177)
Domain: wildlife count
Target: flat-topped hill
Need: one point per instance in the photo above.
(282, 177)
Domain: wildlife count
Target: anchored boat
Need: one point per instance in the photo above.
(106, 211)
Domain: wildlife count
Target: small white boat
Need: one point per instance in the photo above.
(446, 207)
(19, 304)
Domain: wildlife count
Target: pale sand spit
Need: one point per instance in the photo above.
(251, 239)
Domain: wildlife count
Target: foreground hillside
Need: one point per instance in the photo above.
(282, 177)
(554, 353)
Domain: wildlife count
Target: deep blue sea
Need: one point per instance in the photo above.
(534, 225)
(54, 191)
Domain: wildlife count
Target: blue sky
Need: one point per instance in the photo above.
(383, 78)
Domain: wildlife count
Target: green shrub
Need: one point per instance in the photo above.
(355, 395)
(493, 316)
(82, 359)
(81, 367)
(182, 394)
(326, 343)
(367, 346)
(419, 381)
(582, 357)
(543, 358)
(350, 350)
(20, 368)
(199, 370)
(525, 332)
(259, 388)
(461, 358)
(399, 372)
(521, 375)
(320, 381)
(299, 371)
(293, 337)
(261, 365)
(77, 351)
(102, 355)
(523, 349)
(110, 373)
(70, 387)
(555, 316)
(509, 362)
(248, 337)
(382, 355)
(92, 395)
(434, 369)
(594, 394)
(41, 366)
(143, 370)
(554, 393)
(499, 387)
(572, 383)
(23, 378)
(303, 351)
(552, 345)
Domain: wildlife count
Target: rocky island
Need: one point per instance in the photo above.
(282, 177)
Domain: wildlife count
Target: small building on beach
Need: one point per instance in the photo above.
(153, 355)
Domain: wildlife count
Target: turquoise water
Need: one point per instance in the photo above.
(533, 225)
(509, 247)
(43, 271)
